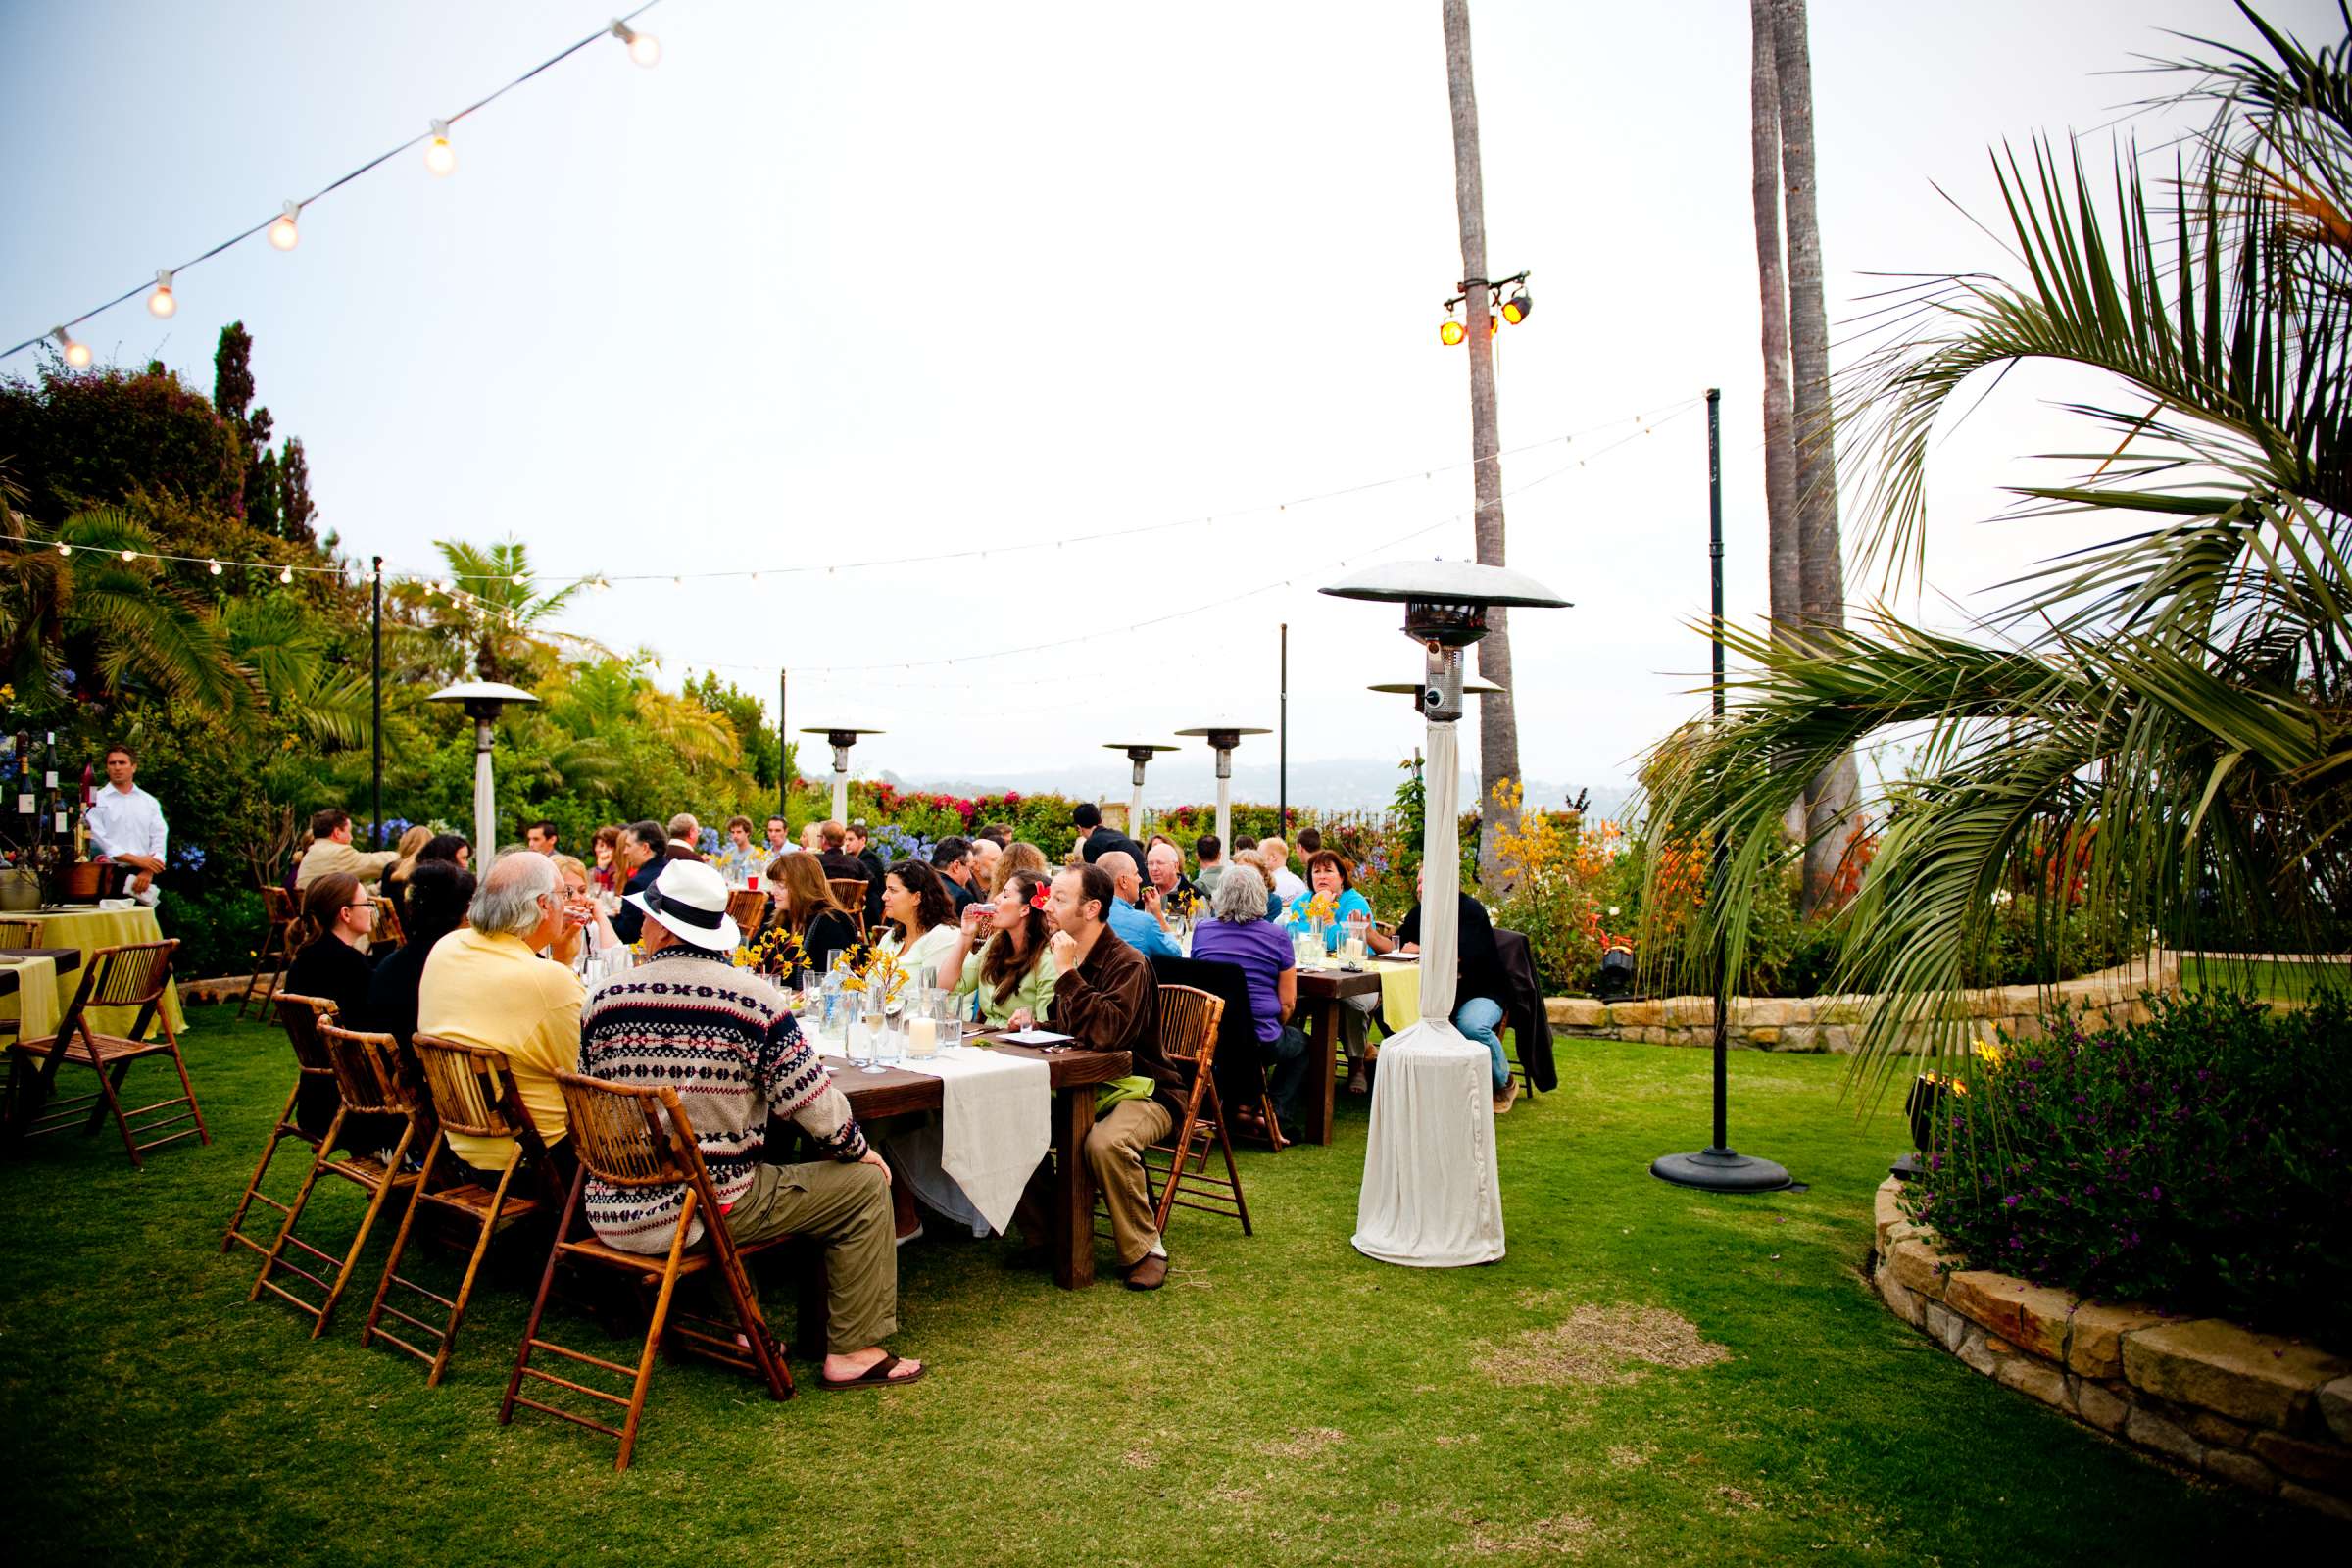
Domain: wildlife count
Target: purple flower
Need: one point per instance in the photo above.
(2009, 1202)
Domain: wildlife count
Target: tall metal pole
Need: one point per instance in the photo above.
(783, 776)
(376, 793)
(1282, 765)
(1717, 1168)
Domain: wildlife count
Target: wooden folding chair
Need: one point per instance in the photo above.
(1188, 1019)
(301, 1017)
(369, 1081)
(133, 976)
(472, 1092)
(748, 909)
(20, 931)
(640, 1137)
(850, 892)
(276, 950)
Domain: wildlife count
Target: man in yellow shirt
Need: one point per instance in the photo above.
(485, 985)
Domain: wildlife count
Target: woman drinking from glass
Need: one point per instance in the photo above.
(1007, 967)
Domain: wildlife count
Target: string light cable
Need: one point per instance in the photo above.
(283, 225)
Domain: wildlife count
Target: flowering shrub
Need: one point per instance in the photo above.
(2196, 1162)
(1566, 898)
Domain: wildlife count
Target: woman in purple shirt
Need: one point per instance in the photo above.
(1238, 933)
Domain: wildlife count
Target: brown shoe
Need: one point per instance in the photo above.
(1504, 1096)
(1149, 1274)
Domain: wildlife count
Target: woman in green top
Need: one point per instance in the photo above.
(1012, 971)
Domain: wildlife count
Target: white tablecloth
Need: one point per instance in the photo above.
(995, 1124)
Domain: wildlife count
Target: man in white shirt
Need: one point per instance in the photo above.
(779, 841)
(1277, 856)
(126, 823)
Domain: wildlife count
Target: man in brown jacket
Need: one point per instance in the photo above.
(1107, 1001)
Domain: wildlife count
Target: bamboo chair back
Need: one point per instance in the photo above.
(368, 1072)
(18, 932)
(1188, 1019)
(301, 1017)
(132, 975)
(472, 1092)
(388, 933)
(748, 909)
(629, 1136)
(280, 905)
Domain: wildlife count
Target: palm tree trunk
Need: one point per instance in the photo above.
(1781, 553)
(1497, 721)
(1829, 799)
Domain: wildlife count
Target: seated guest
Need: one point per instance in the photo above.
(686, 833)
(1098, 838)
(414, 840)
(1484, 993)
(1329, 875)
(1238, 933)
(1275, 856)
(1106, 998)
(1023, 855)
(1245, 853)
(1332, 881)
(813, 838)
(985, 854)
(644, 849)
(739, 859)
(952, 859)
(606, 876)
(540, 838)
(687, 1019)
(330, 852)
(838, 862)
(779, 840)
(330, 947)
(1136, 927)
(1310, 840)
(433, 905)
(485, 985)
(998, 833)
(449, 846)
(858, 843)
(805, 907)
(1163, 864)
(917, 904)
(1209, 851)
(1010, 968)
(586, 931)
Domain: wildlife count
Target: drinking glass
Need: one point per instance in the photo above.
(950, 1031)
(890, 1046)
(873, 1026)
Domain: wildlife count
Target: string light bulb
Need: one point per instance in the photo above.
(644, 47)
(76, 352)
(63, 549)
(285, 574)
(161, 304)
(440, 158)
(212, 567)
(131, 555)
(285, 230)
(519, 579)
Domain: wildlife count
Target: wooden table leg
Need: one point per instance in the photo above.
(1072, 1220)
(1322, 1073)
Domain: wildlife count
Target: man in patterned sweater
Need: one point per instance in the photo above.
(725, 1040)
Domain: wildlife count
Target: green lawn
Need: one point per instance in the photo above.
(2261, 979)
(1281, 1400)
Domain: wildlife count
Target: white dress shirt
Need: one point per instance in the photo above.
(128, 822)
(1287, 884)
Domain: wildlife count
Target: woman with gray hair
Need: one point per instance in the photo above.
(1238, 933)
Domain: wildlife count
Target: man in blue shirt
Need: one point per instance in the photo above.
(1139, 930)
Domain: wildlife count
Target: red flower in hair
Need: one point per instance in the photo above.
(1037, 900)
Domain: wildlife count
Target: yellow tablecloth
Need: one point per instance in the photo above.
(92, 929)
(1400, 995)
(35, 1001)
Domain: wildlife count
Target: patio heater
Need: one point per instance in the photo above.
(483, 701)
(841, 741)
(1140, 752)
(1432, 1196)
(1222, 739)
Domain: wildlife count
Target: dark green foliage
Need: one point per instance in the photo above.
(2197, 1164)
(76, 439)
(219, 928)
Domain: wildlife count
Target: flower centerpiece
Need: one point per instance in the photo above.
(869, 972)
(776, 951)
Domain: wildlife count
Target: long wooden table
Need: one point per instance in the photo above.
(1319, 993)
(1070, 1209)
(67, 960)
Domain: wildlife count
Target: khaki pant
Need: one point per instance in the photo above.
(848, 1208)
(1114, 1153)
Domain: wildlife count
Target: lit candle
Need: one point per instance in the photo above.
(922, 1036)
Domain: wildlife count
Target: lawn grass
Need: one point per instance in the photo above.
(1282, 1400)
(2290, 984)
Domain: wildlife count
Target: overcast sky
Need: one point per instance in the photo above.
(878, 282)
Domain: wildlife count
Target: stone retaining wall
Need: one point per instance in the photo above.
(1835, 1023)
(2271, 1414)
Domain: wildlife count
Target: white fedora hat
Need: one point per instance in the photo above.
(690, 900)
